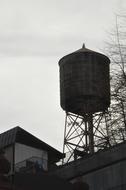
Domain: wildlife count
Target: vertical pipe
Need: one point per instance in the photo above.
(91, 135)
(86, 133)
(64, 143)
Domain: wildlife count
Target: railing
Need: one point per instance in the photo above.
(32, 164)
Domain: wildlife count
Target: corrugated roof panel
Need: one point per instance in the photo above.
(18, 134)
(8, 137)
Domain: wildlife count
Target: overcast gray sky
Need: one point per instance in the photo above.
(34, 35)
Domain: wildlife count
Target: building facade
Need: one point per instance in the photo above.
(25, 152)
(105, 170)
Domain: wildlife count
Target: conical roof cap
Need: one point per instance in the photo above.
(84, 49)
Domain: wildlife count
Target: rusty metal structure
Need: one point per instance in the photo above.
(85, 97)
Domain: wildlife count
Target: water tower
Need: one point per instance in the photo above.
(85, 97)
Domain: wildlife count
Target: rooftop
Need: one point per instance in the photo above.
(17, 134)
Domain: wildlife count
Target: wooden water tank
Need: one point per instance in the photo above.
(84, 82)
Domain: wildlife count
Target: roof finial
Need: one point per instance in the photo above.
(83, 46)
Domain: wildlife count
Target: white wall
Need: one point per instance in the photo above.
(23, 152)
